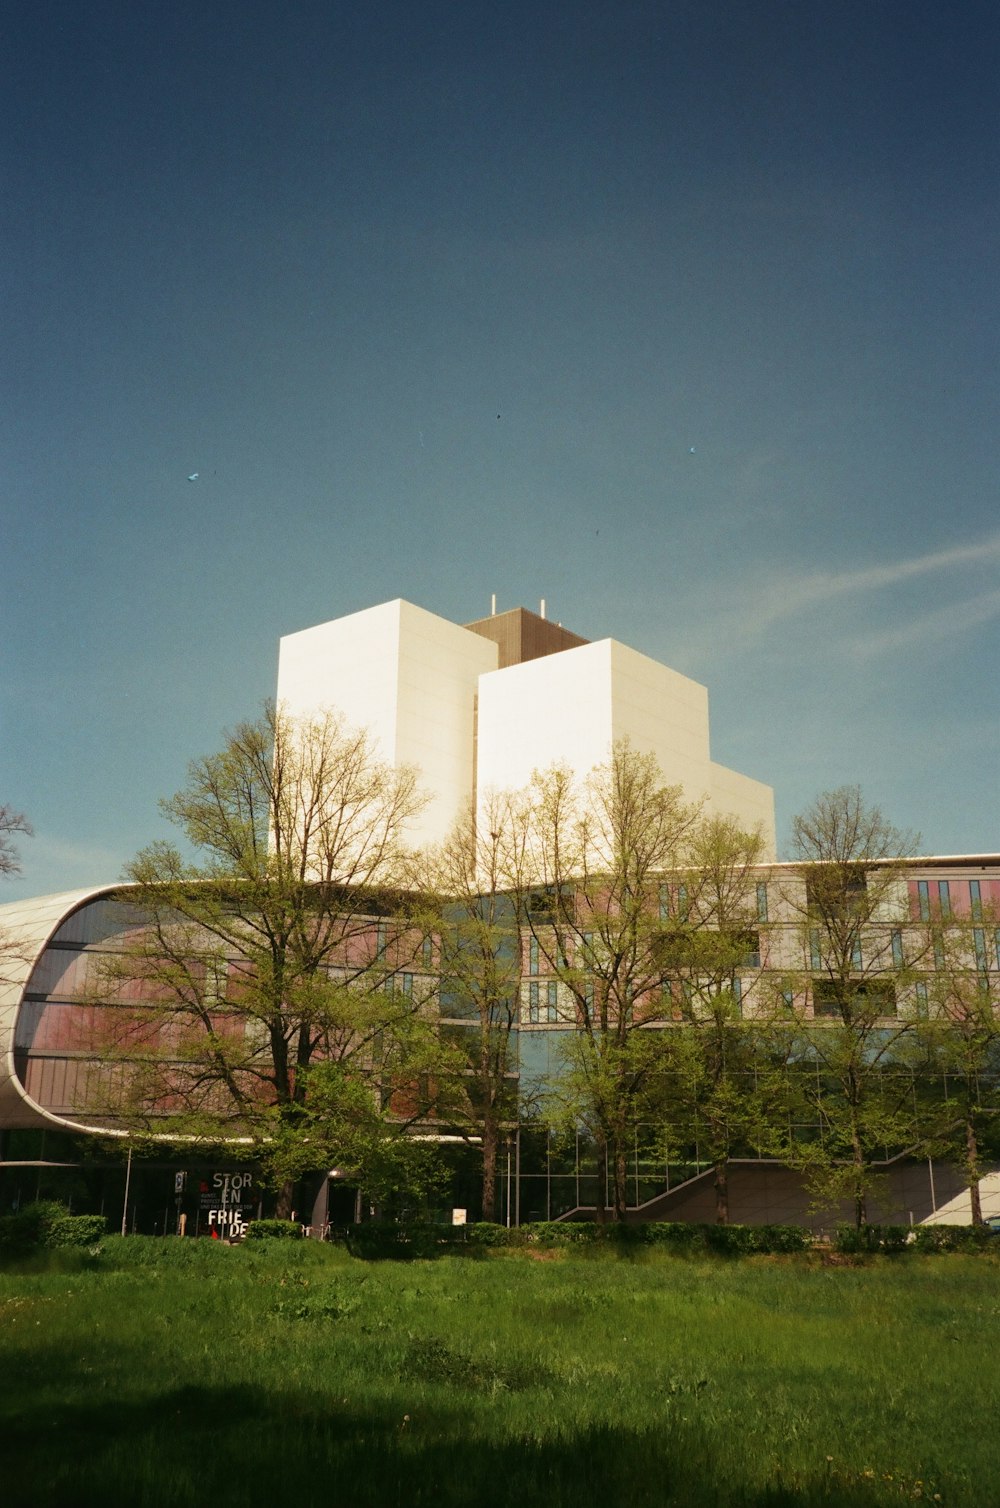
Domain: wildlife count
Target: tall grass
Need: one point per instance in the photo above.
(177, 1373)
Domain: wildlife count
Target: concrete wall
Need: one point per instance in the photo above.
(569, 708)
(440, 666)
(768, 1194)
(555, 710)
(749, 800)
(409, 678)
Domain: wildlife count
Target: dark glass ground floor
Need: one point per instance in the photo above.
(540, 1176)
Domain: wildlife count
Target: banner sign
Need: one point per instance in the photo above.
(227, 1199)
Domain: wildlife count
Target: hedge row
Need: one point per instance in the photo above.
(274, 1230)
(47, 1224)
(385, 1239)
(892, 1239)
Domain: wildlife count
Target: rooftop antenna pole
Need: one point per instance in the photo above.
(493, 605)
(541, 611)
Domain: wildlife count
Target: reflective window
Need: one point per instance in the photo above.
(815, 955)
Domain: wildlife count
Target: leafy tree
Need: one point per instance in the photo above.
(590, 868)
(721, 1082)
(849, 922)
(961, 1034)
(276, 973)
(477, 924)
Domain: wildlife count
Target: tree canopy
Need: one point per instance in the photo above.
(278, 962)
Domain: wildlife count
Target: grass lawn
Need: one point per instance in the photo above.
(184, 1373)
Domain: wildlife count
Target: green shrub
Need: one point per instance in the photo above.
(782, 1238)
(677, 1235)
(280, 1230)
(387, 1239)
(483, 1233)
(933, 1238)
(724, 1240)
(29, 1228)
(76, 1230)
(888, 1239)
(561, 1232)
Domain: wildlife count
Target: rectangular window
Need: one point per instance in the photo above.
(533, 956)
(588, 998)
(788, 1001)
(938, 951)
(664, 902)
(944, 898)
(586, 949)
(533, 1003)
(863, 1002)
(857, 962)
(552, 1001)
(979, 942)
(215, 981)
(738, 991)
(924, 900)
(761, 901)
(405, 985)
(751, 957)
(920, 999)
(381, 940)
(897, 949)
(427, 952)
(682, 902)
(815, 955)
(976, 900)
(825, 1000)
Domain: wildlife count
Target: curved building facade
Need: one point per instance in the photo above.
(53, 948)
(67, 987)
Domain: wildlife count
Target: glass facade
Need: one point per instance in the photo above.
(74, 999)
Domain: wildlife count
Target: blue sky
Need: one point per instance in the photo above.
(683, 316)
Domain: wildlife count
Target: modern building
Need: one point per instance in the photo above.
(476, 709)
(49, 1007)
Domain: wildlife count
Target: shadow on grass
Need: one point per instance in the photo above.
(237, 1445)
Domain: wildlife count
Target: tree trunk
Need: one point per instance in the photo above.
(600, 1200)
(972, 1170)
(286, 1200)
(860, 1201)
(489, 1170)
(722, 1191)
(620, 1180)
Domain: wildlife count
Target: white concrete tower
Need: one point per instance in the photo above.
(410, 678)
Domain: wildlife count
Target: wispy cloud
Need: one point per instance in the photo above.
(793, 595)
(774, 597)
(931, 627)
